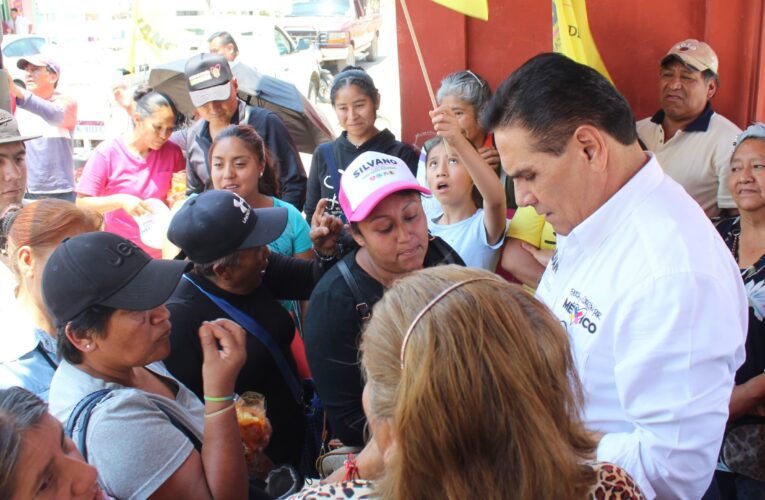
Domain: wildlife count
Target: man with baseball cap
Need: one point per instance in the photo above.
(45, 112)
(213, 91)
(236, 276)
(691, 141)
(13, 170)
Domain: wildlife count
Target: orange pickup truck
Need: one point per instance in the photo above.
(342, 29)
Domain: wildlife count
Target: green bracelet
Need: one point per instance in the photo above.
(213, 399)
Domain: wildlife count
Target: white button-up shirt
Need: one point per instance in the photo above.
(656, 312)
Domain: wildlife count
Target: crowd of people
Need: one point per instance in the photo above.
(628, 365)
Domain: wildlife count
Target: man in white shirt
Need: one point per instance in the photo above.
(223, 44)
(648, 292)
(18, 25)
(692, 143)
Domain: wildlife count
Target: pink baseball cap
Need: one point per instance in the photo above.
(369, 179)
(41, 60)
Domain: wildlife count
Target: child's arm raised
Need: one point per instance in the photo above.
(487, 182)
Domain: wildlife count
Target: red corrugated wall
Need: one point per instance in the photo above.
(631, 36)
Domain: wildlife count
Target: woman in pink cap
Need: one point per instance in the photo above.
(380, 197)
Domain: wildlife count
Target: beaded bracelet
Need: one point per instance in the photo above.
(213, 399)
(325, 258)
(216, 413)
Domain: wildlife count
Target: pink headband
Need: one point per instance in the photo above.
(429, 306)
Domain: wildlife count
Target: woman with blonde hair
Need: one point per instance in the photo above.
(29, 235)
(471, 393)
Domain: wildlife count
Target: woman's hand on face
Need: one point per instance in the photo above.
(325, 229)
(223, 349)
(490, 156)
(134, 205)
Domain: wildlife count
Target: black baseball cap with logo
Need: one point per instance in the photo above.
(105, 269)
(217, 223)
(209, 78)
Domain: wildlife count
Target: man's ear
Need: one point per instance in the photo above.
(711, 88)
(222, 271)
(591, 142)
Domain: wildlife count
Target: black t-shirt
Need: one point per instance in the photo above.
(331, 334)
(319, 179)
(285, 278)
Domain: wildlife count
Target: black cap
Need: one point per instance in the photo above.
(104, 269)
(209, 77)
(217, 223)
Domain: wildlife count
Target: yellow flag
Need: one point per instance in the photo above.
(571, 34)
(158, 35)
(472, 8)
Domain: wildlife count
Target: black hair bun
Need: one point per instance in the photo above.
(141, 91)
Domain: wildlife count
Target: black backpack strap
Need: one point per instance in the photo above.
(85, 407)
(365, 312)
(446, 253)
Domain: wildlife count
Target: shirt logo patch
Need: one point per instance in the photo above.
(581, 311)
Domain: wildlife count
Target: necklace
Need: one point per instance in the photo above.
(734, 248)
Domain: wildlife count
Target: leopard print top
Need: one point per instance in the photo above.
(614, 483)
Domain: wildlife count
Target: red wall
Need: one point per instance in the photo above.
(632, 38)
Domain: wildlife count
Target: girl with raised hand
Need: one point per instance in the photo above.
(473, 207)
(122, 173)
(466, 94)
(355, 100)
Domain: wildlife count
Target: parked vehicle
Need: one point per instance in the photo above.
(342, 29)
(265, 45)
(299, 64)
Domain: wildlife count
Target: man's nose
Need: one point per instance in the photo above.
(523, 196)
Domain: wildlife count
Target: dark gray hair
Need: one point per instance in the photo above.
(147, 101)
(19, 410)
(225, 39)
(467, 86)
(230, 260)
(550, 96)
(92, 320)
